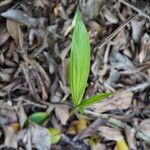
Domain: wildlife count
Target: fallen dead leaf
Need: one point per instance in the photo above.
(137, 26)
(10, 136)
(4, 35)
(123, 102)
(78, 126)
(145, 46)
(144, 127)
(15, 31)
(62, 113)
(110, 16)
(110, 133)
(7, 116)
(91, 8)
(22, 116)
(36, 136)
(20, 16)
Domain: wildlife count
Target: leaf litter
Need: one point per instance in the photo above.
(35, 42)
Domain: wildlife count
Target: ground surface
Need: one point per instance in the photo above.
(35, 38)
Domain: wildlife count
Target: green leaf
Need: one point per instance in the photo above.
(79, 60)
(55, 135)
(38, 117)
(93, 100)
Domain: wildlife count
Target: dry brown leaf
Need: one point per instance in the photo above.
(4, 35)
(15, 31)
(62, 113)
(91, 8)
(120, 61)
(15, 126)
(10, 136)
(67, 27)
(92, 129)
(65, 66)
(123, 102)
(137, 27)
(59, 11)
(110, 16)
(20, 16)
(130, 134)
(5, 76)
(113, 77)
(40, 3)
(40, 137)
(78, 126)
(95, 31)
(36, 136)
(145, 47)
(110, 133)
(144, 127)
(22, 117)
(7, 116)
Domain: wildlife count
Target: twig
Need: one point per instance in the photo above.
(102, 119)
(138, 87)
(134, 8)
(115, 122)
(116, 31)
(111, 120)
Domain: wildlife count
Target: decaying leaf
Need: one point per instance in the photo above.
(92, 129)
(7, 116)
(4, 35)
(10, 136)
(15, 31)
(92, 8)
(36, 136)
(144, 130)
(62, 114)
(22, 116)
(78, 126)
(110, 16)
(40, 3)
(137, 26)
(113, 134)
(55, 135)
(122, 102)
(145, 46)
(19, 16)
(110, 133)
(130, 134)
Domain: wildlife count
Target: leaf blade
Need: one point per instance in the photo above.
(94, 99)
(39, 117)
(79, 60)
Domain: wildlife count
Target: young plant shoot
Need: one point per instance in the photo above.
(79, 60)
(79, 66)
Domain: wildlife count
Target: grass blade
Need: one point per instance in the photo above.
(93, 100)
(79, 60)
